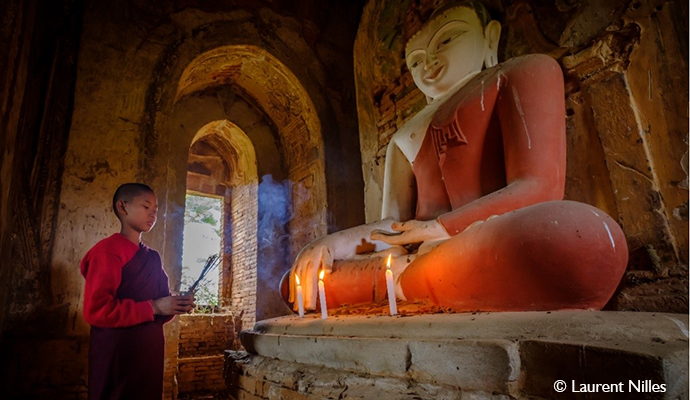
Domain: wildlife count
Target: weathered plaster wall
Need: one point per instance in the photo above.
(39, 45)
(131, 57)
(625, 65)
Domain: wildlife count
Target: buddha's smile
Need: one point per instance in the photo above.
(434, 74)
(448, 49)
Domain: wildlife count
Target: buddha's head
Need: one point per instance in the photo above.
(455, 43)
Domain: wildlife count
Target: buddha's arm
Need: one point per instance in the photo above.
(321, 253)
(398, 204)
(398, 185)
(531, 110)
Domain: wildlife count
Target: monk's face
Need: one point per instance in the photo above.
(446, 50)
(142, 212)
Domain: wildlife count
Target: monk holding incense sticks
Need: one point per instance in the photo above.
(126, 301)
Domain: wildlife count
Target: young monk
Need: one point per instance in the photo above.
(126, 302)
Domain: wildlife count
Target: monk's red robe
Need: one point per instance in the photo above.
(127, 341)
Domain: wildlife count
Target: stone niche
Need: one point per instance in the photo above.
(462, 356)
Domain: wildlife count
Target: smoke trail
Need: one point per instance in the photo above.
(275, 211)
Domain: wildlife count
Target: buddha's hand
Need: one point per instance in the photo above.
(412, 231)
(314, 257)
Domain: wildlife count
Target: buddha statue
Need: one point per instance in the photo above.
(473, 211)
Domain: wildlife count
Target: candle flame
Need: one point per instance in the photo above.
(297, 279)
(388, 263)
(321, 275)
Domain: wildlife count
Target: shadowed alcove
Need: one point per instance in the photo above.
(266, 139)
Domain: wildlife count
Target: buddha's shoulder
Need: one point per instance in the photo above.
(535, 63)
(419, 121)
(410, 135)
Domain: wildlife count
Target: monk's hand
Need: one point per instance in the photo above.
(172, 305)
(309, 263)
(412, 231)
(190, 301)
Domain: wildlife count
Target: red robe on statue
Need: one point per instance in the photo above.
(498, 147)
(127, 343)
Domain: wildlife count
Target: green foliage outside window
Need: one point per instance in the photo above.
(202, 210)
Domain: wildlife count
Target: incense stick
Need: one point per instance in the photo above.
(211, 263)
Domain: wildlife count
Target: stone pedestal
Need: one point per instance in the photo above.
(463, 356)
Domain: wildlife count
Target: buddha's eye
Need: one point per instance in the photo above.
(448, 39)
(415, 62)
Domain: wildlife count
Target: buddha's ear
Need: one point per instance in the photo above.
(492, 34)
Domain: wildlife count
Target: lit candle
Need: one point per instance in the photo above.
(392, 305)
(300, 298)
(322, 297)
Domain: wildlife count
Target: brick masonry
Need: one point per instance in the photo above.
(244, 205)
(203, 340)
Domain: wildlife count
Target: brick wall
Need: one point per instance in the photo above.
(203, 339)
(244, 207)
(306, 171)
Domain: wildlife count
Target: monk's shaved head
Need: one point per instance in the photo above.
(127, 192)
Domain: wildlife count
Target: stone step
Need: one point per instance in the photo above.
(512, 354)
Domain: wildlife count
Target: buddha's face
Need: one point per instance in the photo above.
(446, 50)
